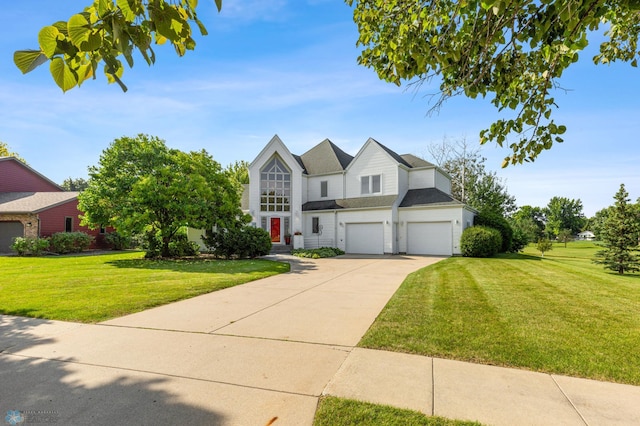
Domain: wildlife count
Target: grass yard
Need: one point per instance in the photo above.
(561, 314)
(334, 411)
(92, 288)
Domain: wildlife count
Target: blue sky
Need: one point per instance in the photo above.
(289, 67)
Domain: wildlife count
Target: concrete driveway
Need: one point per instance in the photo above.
(240, 356)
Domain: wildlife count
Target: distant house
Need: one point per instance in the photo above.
(372, 203)
(31, 205)
(586, 235)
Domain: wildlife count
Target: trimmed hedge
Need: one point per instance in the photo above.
(240, 243)
(70, 242)
(480, 241)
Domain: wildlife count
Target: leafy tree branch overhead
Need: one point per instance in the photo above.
(108, 30)
(512, 51)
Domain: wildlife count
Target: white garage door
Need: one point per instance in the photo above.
(8, 231)
(365, 238)
(433, 238)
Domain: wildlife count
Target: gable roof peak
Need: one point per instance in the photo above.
(391, 152)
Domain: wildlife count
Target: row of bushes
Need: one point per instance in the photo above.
(61, 242)
(318, 252)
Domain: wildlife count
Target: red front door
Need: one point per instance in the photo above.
(275, 229)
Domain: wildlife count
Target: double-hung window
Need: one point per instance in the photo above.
(323, 188)
(371, 184)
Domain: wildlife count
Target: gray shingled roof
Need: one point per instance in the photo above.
(325, 157)
(33, 202)
(350, 203)
(299, 160)
(425, 196)
(416, 161)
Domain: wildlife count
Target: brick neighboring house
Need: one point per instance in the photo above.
(31, 205)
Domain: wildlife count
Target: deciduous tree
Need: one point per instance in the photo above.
(564, 213)
(77, 184)
(142, 186)
(620, 236)
(108, 31)
(513, 52)
(471, 182)
(239, 171)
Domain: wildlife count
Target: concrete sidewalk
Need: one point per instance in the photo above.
(491, 395)
(268, 350)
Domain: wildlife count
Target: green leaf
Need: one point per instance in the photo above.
(79, 29)
(219, 5)
(48, 40)
(104, 6)
(62, 75)
(126, 10)
(28, 60)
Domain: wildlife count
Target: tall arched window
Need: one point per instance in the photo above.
(275, 187)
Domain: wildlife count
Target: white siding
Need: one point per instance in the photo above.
(456, 215)
(443, 183)
(334, 187)
(372, 160)
(403, 180)
(275, 146)
(422, 178)
(327, 238)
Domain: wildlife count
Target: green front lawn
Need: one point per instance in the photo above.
(561, 314)
(334, 411)
(91, 288)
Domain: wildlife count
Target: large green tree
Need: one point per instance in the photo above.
(564, 213)
(533, 215)
(142, 186)
(471, 182)
(513, 52)
(108, 31)
(620, 236)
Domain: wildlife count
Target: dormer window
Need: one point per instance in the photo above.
(370, 184)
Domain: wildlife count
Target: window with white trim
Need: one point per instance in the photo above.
(371, 184)
(324, 188)
(275, 187)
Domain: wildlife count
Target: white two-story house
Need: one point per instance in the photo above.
(374, 203)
